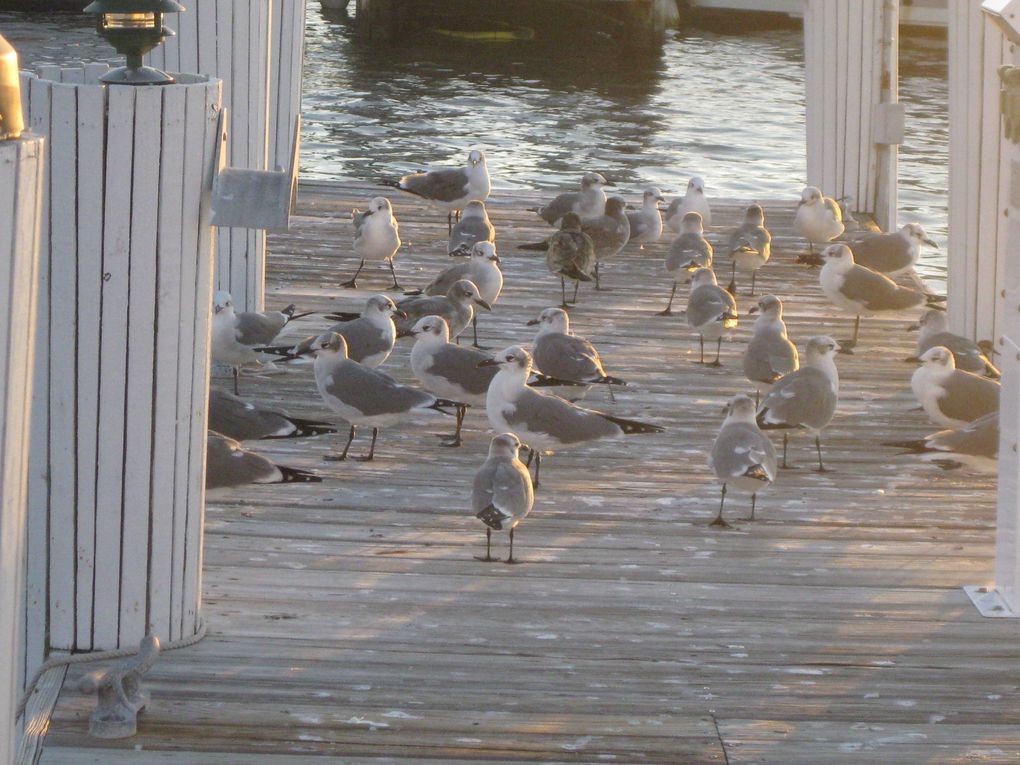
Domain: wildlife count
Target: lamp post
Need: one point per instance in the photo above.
(134, 27)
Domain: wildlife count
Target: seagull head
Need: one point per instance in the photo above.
(770, 306)
(933, 321)
(474, 209)
(330, 344)
(570, 222)
(652, 197)
(476, 157)
(703, 276)
(379, 204)
(839, 256)
(938, 360)
(514, 359)
(696, 185)
(593, 180)
(692, 223)
(485, 252)
(465, 291)
(914, 232)
(222, 301)
(616, 207)
(505, 445)
(754, 214)
(740, 409)
(381, 305)
(811, 195)
(820, 347)
(432, 329)
(552, 320)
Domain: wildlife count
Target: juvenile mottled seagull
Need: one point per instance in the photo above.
(894, 253)
(369, 337)
(482, 269)
(805, 398)
(236, 418)
(969, 356)
(769, 354)
(646, 223)
(450, 188)
(457, 307)
(711, 312)
(750, 246)
(609, 233)
(742, 456)
(562, 355)
(589, 202)
(861, 291)
(688, 252)
(502, 495)
(951, 397)
(569, 254)
(376, 237)
(818, 219)
(365, 396)
(541, 420)
(474, 226)
(693, 200)
(227, 463)
(974, 446)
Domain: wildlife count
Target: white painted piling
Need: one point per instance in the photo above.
(21, 173)
(119, 401)
(285, 73)
(854, 120)
(230, 40)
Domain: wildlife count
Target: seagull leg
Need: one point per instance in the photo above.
(612, 396)
(352, 283)
(669, 306)
(488, 547)
(718, 350)
(732, 286)
(701, 343)
(371, 450)
(510, 557)
(455, 439)
(343, 455)
(818, 448)
(449, 222)
(757, 395)
(754, 497)
(847, 346)
(474, 327)
(576, 285)
(395, 286)
(718, 518)
(754, 273)
(563, 293)
(786, 465)
(597, 286)
(236, 372)
(531, 454)
(538, 468)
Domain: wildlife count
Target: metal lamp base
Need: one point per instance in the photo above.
(142, 75)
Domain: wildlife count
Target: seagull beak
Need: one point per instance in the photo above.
(483, 304)
(367, 213)
(609, 183)
(217, 308)
(914, 328)
(660, 199)
(931, 243)
(753, 309)
(497, 260)
(533, 322)
(487, 363)
(401, 314)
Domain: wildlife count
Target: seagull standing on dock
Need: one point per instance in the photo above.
(742, 456)
(711, 312)
(805, 398)
(236, 418)
(227, 463)
(974, 446)
(589, 202)
(542, 420)
(482, 269)
(892, 254)
(861, 291)
(818, 219)
(693, 200)
(769, 354)
(562, 355)
(951, 397)
(474, 226)
(376, 237)
(450, 188)
(569, 254)
(457, 307)
(646, 223)
(502, 495)
(968, 355)
(688, 252)
(609, 233)
(750, 246)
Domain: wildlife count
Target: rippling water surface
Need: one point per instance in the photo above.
(727, 107)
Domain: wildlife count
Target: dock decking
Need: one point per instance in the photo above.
(349, 619)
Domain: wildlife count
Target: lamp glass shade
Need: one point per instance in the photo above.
(12, 122)
(129, 21)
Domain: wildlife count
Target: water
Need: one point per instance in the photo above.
(727, 107)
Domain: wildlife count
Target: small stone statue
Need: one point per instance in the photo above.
(120, 693)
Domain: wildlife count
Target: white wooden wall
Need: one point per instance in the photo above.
(978, 183)
(230, 39)
(21, 173)
(286, 65)
(847, 123)
(119, 409)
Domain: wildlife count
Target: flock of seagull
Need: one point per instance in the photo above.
(956, 382)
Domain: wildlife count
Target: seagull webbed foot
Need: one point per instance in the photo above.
(486, 559)
(350, 284)
(721, 523)
(666, 312)
(334, 457)
(714, 364)
(513, 561)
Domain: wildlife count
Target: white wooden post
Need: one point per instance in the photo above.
(978, 182)
(230, 39)
(854, 120)
(285, 70)
(119, 414)
(21, 164)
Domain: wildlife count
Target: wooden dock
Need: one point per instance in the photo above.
(349, 621)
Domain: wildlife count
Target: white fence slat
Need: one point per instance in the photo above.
(846, 91)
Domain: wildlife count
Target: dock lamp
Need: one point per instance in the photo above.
(11, 120)
(134, 27)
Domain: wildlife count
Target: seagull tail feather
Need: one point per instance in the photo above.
(917, 446)
(535, 246)
(492, 517)
(631, 427)
(295, 475)
(610, 380)
(343, 316)
(442, 404)
(308, 428)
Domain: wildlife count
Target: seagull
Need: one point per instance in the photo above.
(562, 355)
(569, 254)
(589, 202)
(818, 219)
(750, 246)
(227, 463)
(376, 237)
(236, 418)
(474, 226)
(951, 397)
(502, 495)
(805, 398)
(742, 456)
(688, 252)
(365, 396)
(969, 356)
(861, 291)
(542, 420)
(450, 188)
(646, 223)
(370, 335)
(770, 354)
(894, 253)
(609, 233)
(482, 269)
(711, 312)
(974, 446)
(457, 307)
(692, 201)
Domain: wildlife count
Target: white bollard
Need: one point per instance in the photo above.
(21, 163)
(119, 403)
(285, 72)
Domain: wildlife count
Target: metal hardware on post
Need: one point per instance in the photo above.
(120, 692)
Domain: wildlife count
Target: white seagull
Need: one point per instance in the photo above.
(376, 237)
